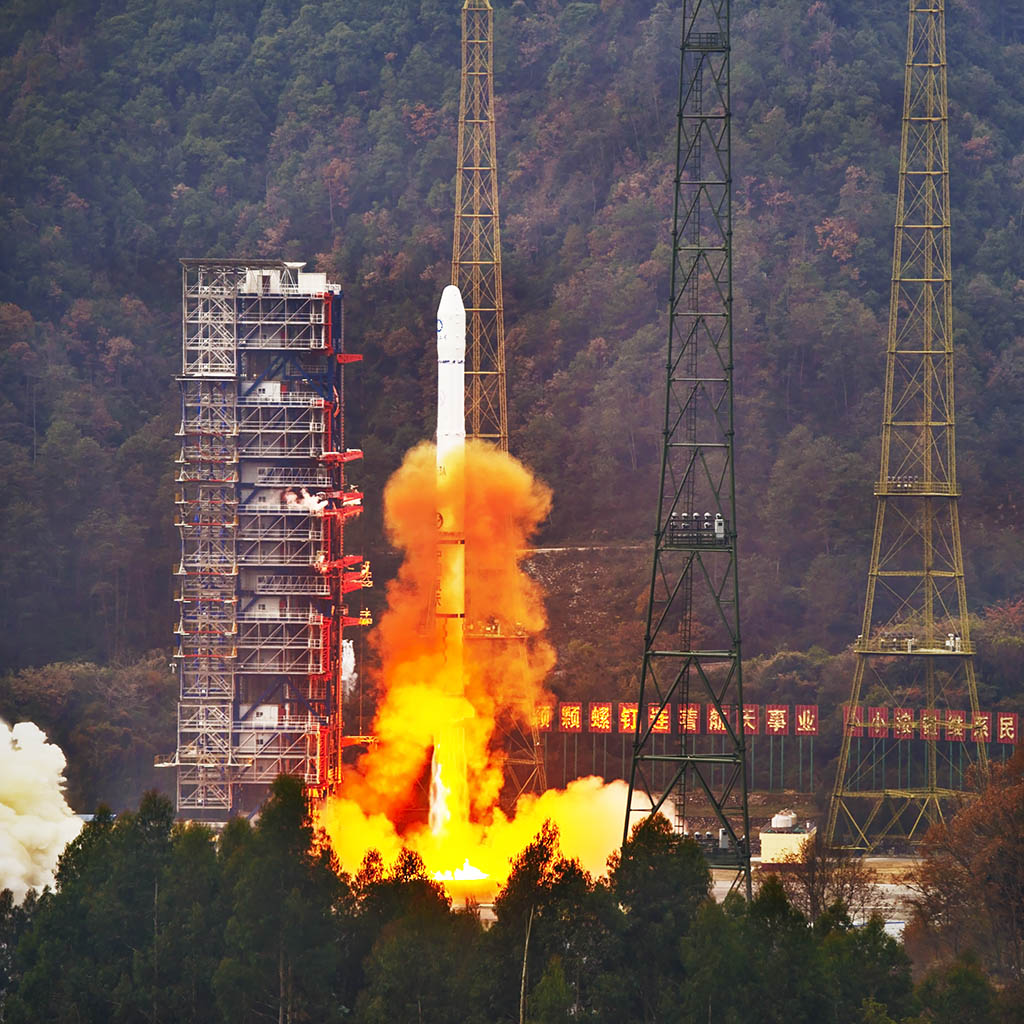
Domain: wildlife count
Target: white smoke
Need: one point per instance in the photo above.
(301, 498)
(35, 820)
(349, 676)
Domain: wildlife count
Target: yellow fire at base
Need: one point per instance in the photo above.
(438, 715)
(467, 873)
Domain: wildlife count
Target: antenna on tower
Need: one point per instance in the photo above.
(915, 642)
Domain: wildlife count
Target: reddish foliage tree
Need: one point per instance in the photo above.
(970, 880)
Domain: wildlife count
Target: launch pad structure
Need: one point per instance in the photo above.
(263, 582)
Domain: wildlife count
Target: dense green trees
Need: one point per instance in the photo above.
(155, 922)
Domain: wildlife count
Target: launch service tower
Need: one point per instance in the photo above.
(263, 584)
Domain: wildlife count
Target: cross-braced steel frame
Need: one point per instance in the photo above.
(262, 503)
(476, 249)
(692, 639)
(476, 270)
(915, 637)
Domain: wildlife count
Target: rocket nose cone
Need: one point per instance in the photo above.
(451, 325)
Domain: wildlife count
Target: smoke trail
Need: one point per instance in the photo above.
(35, 820)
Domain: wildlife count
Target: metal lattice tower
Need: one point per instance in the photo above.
(915, 645)
(262, 504)
(476, 270)
(476, 250)
(692, 640)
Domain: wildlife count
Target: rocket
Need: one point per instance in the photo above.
(449, 793)
(451, 595)
(450, 610)
(451, 375)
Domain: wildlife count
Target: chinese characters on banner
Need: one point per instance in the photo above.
(929, 724)
(716, 727)
(607, 717)
(855, 727)
(570, 718)
(878, 723)
(1006, 726)
(658, 718)
(776, 719)
(806, 720)
(600, 719)
(544, 717)
(903, 723)
(956, 725)
(752, 719)
(689, 718)
(981, 727)
(627, 718)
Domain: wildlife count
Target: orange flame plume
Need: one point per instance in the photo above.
(425, 717)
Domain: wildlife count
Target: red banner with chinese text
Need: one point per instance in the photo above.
(956, 725)
(806, 720)
(627, 718)
(570, 717)
(544, 717)
(659, 718)
(1006, 726)
(689, 719)
(981, 727)
(752, 719)
(776, 719)
(903, 723)
(599, 718)
(716, 725)
(929, 724)
(854, 726)
(878, 723)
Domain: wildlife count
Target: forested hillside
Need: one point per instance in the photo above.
(136, 133)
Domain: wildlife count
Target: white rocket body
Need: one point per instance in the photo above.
(450, 610)
(448, 786)
(451, 376)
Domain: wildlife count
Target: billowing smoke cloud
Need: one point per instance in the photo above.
(349, 675)
(420, 701)
(301, 498)
(35, 820)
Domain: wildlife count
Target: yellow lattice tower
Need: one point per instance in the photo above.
(915, 645)
(476, 269)
(476, 252)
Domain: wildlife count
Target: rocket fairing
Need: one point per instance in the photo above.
(451, 375)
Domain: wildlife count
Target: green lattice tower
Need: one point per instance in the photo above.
(915, 644)
(692, 640)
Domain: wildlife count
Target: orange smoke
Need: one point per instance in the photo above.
(422, 704)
